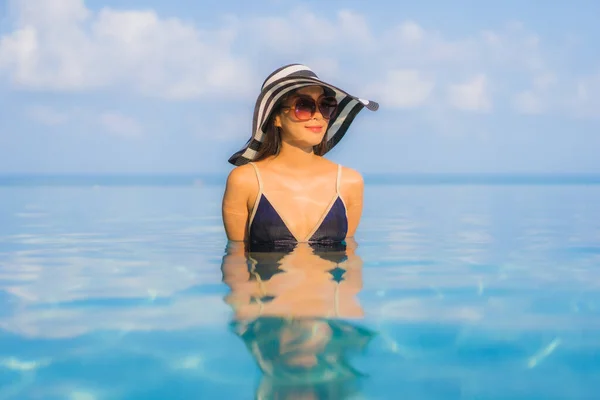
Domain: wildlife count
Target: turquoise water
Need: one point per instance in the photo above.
(456, 288)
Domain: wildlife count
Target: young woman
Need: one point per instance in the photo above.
(283, 190)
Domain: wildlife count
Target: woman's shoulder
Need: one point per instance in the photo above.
(242, 177)
(348, 174)
(351, 177)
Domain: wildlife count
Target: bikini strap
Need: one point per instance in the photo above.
(258, 196)
(338, 179)
(260, 185)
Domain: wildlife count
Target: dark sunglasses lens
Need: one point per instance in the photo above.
(305, 108)
(327, 106)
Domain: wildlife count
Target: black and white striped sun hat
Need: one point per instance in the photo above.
(276, 86)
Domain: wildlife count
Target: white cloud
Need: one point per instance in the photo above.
(120, 124)
(47, 115)
(528, 102)
(584, 99)
(346, 32)
(402, 89)
(538, 98)
(354, 27)
(510, 48)
(544, 80)
(61, 45)
(408, 43)
(109, 121)
(575, 97)
(472, 95)
(411, 32)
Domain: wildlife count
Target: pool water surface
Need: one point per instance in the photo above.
(448, 291)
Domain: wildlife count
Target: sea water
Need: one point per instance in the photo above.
(125, 288)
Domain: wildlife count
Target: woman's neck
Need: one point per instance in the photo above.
(295, 157)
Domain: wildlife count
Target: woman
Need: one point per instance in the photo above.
(283, 190)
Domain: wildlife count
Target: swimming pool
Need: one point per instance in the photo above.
(471, 291)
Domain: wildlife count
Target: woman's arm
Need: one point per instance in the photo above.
(352, 188)
(240, 185)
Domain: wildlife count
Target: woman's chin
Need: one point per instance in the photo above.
(314, 141)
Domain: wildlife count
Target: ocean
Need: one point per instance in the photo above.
(455, 287)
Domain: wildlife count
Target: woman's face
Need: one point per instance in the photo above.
(302, 133)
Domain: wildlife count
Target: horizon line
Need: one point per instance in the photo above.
(379, 173)
(213, 178)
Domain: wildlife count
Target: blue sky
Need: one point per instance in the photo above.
(168, 87)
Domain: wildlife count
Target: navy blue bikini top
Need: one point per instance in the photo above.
(267, 231)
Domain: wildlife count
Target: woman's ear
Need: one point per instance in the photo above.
(277, 121)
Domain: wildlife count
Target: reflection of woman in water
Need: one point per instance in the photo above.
(283, 189)
(288, 310)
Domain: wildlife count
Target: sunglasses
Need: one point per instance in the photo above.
(305, 107)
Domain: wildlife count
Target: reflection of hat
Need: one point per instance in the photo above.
(262, 337)
(276, 86)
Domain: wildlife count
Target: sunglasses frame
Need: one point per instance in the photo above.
(316, 104)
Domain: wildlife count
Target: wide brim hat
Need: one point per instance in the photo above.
(277, 85)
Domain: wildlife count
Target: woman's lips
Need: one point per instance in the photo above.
(315, 129)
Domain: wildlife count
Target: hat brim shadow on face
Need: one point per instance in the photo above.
(274, 90)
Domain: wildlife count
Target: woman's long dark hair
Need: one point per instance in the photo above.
(272, 142)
